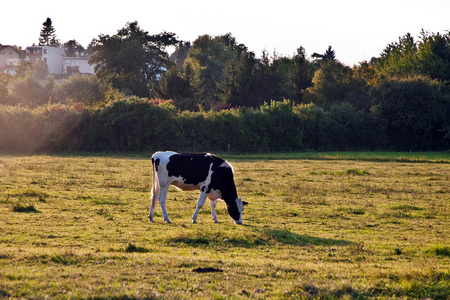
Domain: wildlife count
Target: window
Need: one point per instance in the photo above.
(45, 51)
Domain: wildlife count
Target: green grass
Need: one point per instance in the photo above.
(322, 226)
(436, 157)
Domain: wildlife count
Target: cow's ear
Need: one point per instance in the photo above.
(244, 202)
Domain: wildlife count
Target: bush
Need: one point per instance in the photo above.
(413, 111)
(139, 124)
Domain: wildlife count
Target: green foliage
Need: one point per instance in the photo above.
(131, 59)
(223, 96)
(430, 56)
(413, 111)
(219, 70)
(47, 36)
(335, 83)
(79, 88)
(4, 81)
(27, 91)
(140, 124)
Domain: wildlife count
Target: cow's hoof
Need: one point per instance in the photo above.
(150, 220)
(194, 221)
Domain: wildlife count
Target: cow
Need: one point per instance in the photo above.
(206, 172)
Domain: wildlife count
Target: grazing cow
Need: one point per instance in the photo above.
(206, 172)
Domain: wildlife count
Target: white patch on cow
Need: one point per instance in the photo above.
(207, 181)
(225, 164)
(240, 206)
(215, 194)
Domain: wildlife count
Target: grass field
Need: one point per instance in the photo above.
(321, 225)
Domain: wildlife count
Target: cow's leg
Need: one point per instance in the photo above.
(200, 202)
(155, 193)
(213, 210)
(162, 202)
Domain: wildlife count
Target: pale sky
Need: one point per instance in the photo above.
(356, 29)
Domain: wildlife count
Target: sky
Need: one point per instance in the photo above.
(356, 29)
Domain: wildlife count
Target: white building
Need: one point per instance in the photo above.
(79, 64)
(51, 55)
(9, 58)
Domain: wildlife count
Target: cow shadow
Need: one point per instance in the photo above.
(253, 238)
(285, 237)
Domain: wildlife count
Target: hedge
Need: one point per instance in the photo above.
(138, 125)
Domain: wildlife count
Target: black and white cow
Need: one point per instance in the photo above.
(208, 173)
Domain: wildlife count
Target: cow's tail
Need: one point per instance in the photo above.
(155, 181)
(154, 190)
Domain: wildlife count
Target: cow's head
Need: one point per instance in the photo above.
(235, 209)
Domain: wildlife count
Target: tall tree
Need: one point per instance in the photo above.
(48, 34)
(266, 81)
(399, 58)
(132, 59)
(434, 55)
(300, 74)
(219, 70)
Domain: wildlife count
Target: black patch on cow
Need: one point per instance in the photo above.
(222, 180)
(194, 169)
(155, 163)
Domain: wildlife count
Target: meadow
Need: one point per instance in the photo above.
(318, 225)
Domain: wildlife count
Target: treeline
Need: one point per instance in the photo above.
(221, 95)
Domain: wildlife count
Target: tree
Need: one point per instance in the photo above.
(238, 72)
(132, 59)
(5, 78)
(300, 75)
(180, 54)
(266, 81)
(172, 85)
(413, 110)
(334, 83)
(73, 48)
(23, 68)
(48, 35)
(28, 92)
(329, 55)
(206, 61)
(40, 69)
(399, 58)
(434, 55)
(81, 88)
(429, 55)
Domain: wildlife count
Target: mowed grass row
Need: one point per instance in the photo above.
(76, 227)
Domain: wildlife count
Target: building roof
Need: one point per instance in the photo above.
(5, 46)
